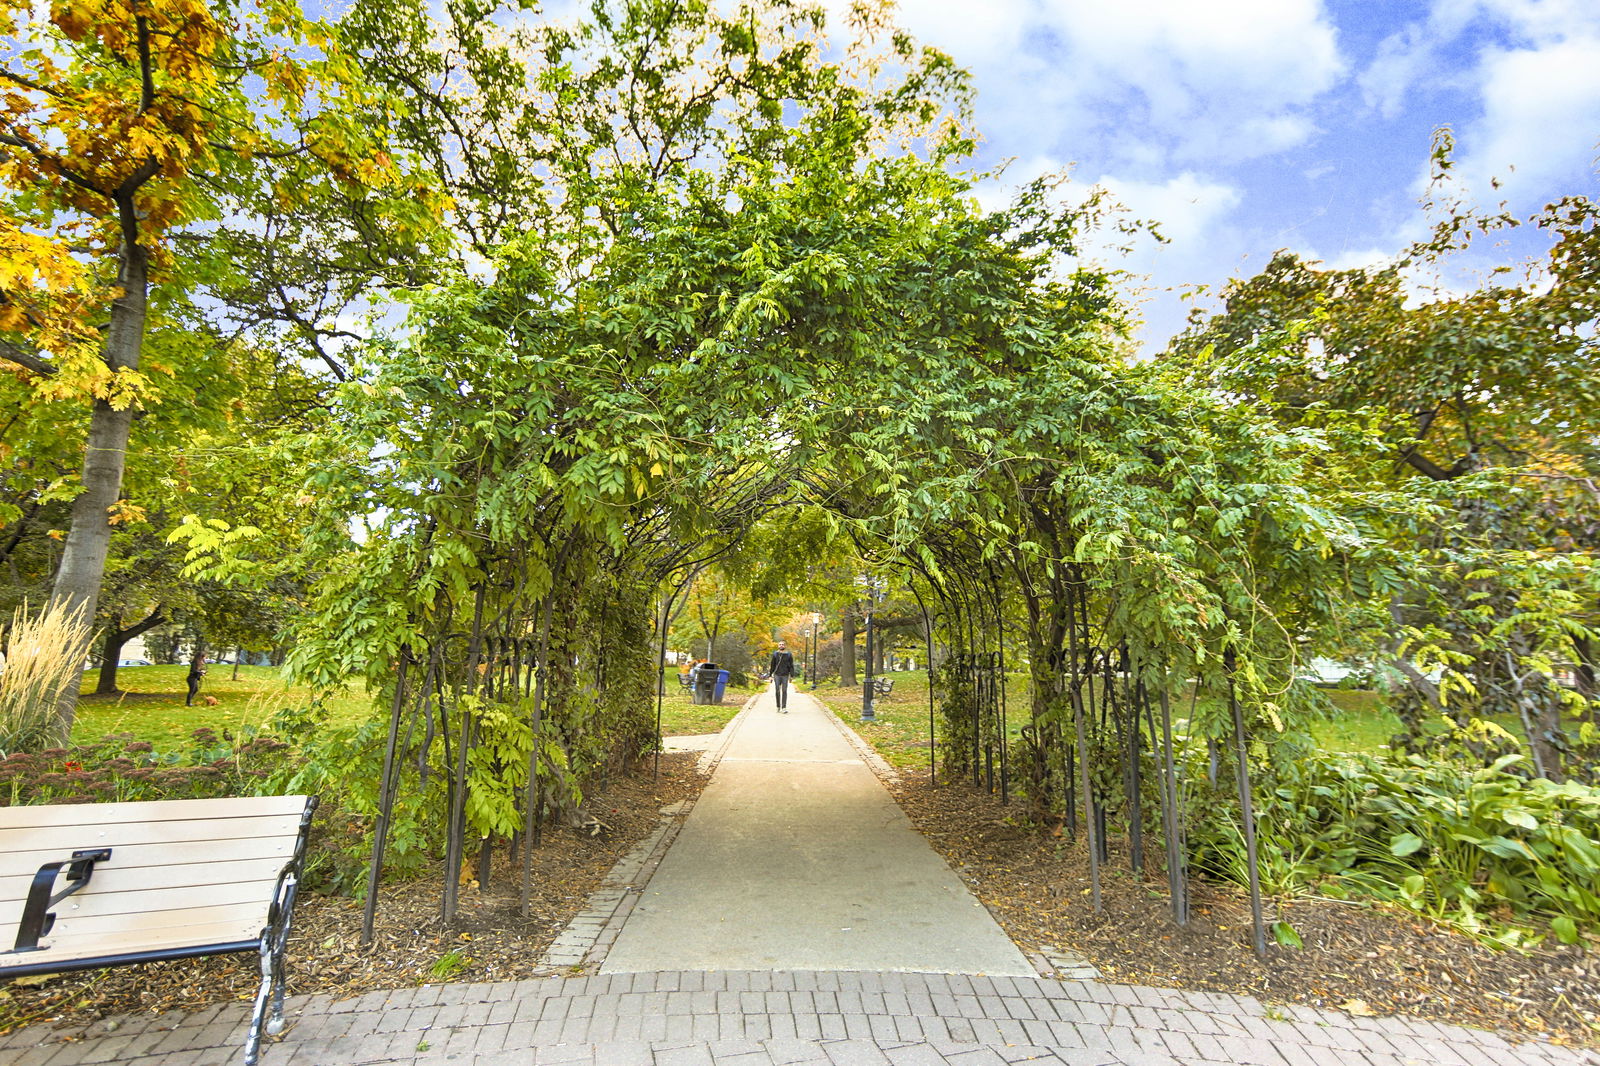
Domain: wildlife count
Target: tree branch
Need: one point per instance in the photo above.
(157, 617)
(17, 141)
(16, 355)
(1421, 463)
(147, 82)
(26, 83)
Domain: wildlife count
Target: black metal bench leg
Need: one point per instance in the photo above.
(267, 1014)
(280, 955)
(252, 1040)
(275, 1021)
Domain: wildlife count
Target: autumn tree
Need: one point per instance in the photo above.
(126, 130)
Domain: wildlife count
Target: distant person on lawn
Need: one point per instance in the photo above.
(781, 668)
(197, 671)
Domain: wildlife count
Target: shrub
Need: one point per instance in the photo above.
(1487, 849)
(119, 768)
(44, 657)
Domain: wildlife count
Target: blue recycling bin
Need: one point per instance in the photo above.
(722, 684)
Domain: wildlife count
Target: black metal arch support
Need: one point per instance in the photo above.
(37, 917)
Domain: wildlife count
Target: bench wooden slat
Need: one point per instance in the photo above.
(168, 879)
(88, 907)
(139, 878)
(188, 835)
(80, 814)
(140, 938)
(130, 857)
(249, 914)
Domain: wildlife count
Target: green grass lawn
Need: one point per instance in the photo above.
(900, 730)
(151, 703)
(151, 707)
(680, 717)
(1362, 722)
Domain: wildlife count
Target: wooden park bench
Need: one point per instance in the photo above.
(143, 882)
(883, 685)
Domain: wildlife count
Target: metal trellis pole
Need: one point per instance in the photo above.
(380, 832)
(1247, 810)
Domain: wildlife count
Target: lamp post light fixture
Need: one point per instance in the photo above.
(875, 588)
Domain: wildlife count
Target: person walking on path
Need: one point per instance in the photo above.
(781, 668)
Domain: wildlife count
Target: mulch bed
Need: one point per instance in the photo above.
(1355, 958)
(1362, 959)
(490, 942)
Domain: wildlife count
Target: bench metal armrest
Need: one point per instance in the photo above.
(36, 916)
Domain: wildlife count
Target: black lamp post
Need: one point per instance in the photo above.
(816, 648)
(805, 651)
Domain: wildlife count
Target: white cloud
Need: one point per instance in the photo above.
(1165, 78)
(1356, 258)
(975, 33)
(1402, 60)
(1426, 53)
(1228, 76)
(1522, 84)
(1275, 51)
(1185, 208)
(1540, 21)
(1417, 53)
(1196, 216)
(997, 195)
(1541, 121)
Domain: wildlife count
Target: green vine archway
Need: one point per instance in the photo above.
(747, 273)
(717, 313)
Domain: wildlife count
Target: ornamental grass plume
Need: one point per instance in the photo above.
(43, 657)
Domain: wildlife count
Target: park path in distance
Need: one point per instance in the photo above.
(795, 857)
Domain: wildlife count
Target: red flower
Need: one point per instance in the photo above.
(72, 767)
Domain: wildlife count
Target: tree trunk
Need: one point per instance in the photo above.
(710, 627)
(111, 650)
(83, 559)
(847, 649)
(1584, 675)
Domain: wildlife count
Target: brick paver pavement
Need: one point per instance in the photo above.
(766, 1018)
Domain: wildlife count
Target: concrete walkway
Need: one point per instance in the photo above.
(796, 857)
(793, 919)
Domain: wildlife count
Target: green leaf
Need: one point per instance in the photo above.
(1403, 844)
(1519, 817)
(1286, 936)
(1506, 848)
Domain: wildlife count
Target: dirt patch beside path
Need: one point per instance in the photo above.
(491, 942)
(1356, 958)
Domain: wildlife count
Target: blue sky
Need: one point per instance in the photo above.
(1245, 126)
